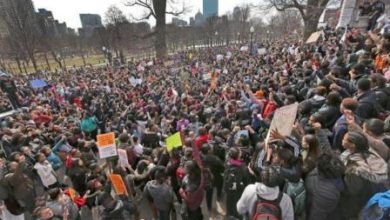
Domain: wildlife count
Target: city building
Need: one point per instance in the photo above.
(50, 26)
(88, 23)
(179, 22)
(236, 13)
(199, 19)
(210, 8)
(28, 6)
(192, 21)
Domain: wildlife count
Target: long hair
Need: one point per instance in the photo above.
(312, 141)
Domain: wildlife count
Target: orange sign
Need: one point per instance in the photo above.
(107, 139)
(106, 145)
(118, 184)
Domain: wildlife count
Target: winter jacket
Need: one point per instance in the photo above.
(246, 204)
(363, 178)
(89, 124)
(57, 208)
(323, 197)
(160, 194)
(330, 114)
(368, 106)
(376, 144)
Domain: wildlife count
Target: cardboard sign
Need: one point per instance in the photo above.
(118, 184)
(262, 51)
(122, 154)
(283, 120)
(106, 145)
(314, 37)
(173, 141)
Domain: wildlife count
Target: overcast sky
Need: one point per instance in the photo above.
(69, 10)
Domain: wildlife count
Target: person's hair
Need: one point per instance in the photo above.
(375, 126)
(364, 84)
(320, 90)
(358, 68)
(202, 131)
(333, 98)
(123, 138)
(318, 117)
(37, 213)
(270, 176)
(54, 193)
(287, 156)
(205, 148)
(330, 166)
(234, 153)
(36, 157)
(350, 104)
(159, 174)
(360, 141)
(312, 141)
(378, 80)
(305, 107)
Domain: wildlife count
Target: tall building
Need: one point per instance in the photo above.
(49, 26)
(179, 22)
(89, 22)
(210, 8)
(199, 19)
(5, 8)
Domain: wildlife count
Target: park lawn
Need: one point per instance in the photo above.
(70, 62)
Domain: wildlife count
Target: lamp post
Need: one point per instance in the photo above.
(216, 38)
(251, 30)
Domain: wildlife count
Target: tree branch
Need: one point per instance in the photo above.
(145, 4)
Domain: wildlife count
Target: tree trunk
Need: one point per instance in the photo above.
(24, 67)
(34, 62)
(47, 61)
(56, 59)
(82, 57)
(19, 66)
(160, 43)
(312, 16)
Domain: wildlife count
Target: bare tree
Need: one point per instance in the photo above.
(115, 19)
(158, 9)
(310, 10)
(20, 20)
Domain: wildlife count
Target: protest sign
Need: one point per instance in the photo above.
(118, 184)
(38, 83)
(219, 57)
(314, 37)
(168, 63)
(206, 76)
(346, 14)
(106, 145)
(244, 48)
(122, 154)
(228, 55)
(173, 141)
(261, 51)
(283, 120)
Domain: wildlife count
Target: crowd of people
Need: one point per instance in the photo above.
(333, 165)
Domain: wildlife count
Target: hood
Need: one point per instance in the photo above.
(267, 193)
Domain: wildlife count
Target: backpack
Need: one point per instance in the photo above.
(234, 180)
(268, 210)
(377, 208)
(297, 193)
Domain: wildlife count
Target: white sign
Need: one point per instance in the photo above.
(244, 48)
(347, 11)
(219, 57)
(106, 145)
(123, 161)
(261, 51)
(283, 120)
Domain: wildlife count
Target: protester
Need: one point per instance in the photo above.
(236, 130)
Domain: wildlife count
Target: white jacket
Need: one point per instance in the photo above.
(248, 199)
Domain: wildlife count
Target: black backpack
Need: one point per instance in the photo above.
(234, 180)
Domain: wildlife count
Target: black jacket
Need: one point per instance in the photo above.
(368, 106)
(323, 197)
(330, 114)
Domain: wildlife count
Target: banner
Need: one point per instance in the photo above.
(118, 184)
(347, 12)
(283, 120)
(173, 141)
(122, 154)
(106, 145)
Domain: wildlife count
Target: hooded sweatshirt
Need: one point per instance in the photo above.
(246, 204)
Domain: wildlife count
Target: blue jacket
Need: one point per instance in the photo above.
(54, 160)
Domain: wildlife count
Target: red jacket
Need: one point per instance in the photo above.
(199, 141)
(269, 108)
